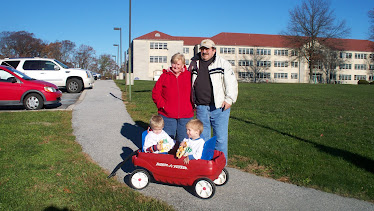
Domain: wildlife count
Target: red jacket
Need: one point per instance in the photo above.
(172, 95)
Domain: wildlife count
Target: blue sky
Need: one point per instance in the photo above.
(91, 22)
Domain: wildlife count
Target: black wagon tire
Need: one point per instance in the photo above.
(204, 188)
(33, 101)
(222, 178)
(74, 85)
(139, 179)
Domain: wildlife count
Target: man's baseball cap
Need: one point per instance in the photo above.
(207, 43)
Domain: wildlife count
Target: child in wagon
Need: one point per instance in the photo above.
(192, 148)
(157, 140)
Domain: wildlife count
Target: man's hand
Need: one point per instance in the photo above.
(225, 105)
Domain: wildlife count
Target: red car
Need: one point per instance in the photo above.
(16, 88)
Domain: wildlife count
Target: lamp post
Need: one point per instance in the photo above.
(130, 53)
(120, 44)
(115, 59)
(116, 45)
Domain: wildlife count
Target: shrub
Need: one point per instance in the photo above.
(363, 82)
(372, 83)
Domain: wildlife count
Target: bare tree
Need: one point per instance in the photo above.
(312, 28)
(20, 44)
(84, 56)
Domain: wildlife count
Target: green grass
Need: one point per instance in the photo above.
(318, 136)
(41, 167)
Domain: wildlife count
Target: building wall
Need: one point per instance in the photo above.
(144, 69)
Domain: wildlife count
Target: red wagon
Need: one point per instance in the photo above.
(203, 174)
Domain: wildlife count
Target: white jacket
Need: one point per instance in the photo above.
(225, 85)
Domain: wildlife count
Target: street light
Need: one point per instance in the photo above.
(117, 54)
(130, 60)
(120, 43)
(115, 59)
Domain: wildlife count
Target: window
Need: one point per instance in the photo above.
(360, 77)
(245, 75)
(13, 64)
(227, 50)
(360, 66)
(294, 75)
(158, 45)
(344, 55)
(158, 59)
(360, 56)
(345, 77)
(294, 64)
(263, 52)
(5, 76)
(245, 63)
(187, 62)
(263, 75)
(281, 52)
(264, 63)
(281, 75)
(371, 67)
(186, 50)
(294, 53)
(246, 51)
(346, 66)
(280, 64)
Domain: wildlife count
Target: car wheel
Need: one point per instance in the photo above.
(222, 178)
(33, 101)
(74, 85)
(204, 188)
(139, 179)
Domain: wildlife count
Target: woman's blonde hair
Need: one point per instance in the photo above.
(196, 125)
(156, 122)
(178, 57)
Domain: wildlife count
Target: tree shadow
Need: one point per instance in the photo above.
(356, 159)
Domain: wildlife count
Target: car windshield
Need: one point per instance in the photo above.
(20, 74)
(62, 64)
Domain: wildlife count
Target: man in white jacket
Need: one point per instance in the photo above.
(214, 90)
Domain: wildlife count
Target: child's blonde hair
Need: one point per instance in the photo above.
(196, 125)
(156, 122)
(178, 57)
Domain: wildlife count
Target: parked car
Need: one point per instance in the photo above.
(97, 76)
(53, 71)
(16, 88)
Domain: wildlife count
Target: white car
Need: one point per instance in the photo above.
(53, 71)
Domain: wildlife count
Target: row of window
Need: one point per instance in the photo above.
(158, 45)
(250, 75)
(249, 63)
(349, 77)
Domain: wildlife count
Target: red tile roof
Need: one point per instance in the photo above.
(261, 40)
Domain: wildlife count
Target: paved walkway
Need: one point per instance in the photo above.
(108, 134)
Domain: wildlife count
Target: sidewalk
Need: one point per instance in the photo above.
(108, 134)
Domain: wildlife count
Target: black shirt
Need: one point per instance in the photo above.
(203, 85)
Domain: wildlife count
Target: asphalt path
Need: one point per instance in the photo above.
(107, 133)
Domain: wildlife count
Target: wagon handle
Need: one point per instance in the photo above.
(121, 164)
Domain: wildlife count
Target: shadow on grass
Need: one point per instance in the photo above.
(358, 160)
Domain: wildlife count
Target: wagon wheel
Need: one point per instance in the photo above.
(222, 178)
(139, 179)
(204, 188)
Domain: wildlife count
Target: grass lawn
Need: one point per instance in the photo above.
(42, 167)
(318, 136)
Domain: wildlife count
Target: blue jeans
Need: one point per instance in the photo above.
(176, 128)
(218, 119)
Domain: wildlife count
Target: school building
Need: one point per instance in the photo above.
(278, 63)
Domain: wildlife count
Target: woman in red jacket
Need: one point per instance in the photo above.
(172, 96)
